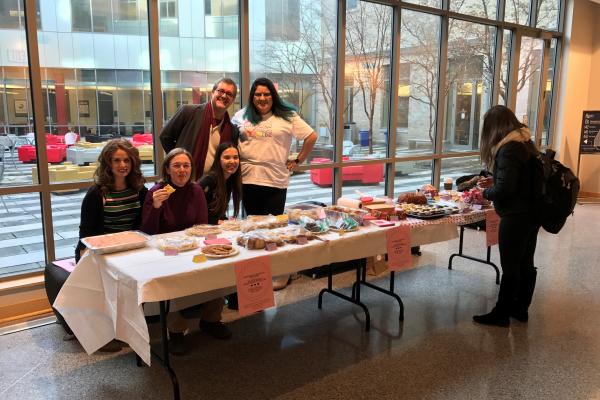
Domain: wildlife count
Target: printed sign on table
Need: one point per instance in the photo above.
(398, 248)
(492, 223)
(254, 285)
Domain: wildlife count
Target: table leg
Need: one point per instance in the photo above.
(354, 299)
(363, 281)
(461, 254)
(164, 359)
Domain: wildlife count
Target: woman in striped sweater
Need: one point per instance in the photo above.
(114, 202)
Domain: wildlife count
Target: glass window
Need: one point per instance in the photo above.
(11, 13)
(221, 18)
(102, 16)
(430, 3)
(303, 69)
(81, 16)
(506, 46)
(549, 96)
(21, 236)
(282, 19)
(547, 14)
(130, 17)
(479, 8)
(528, 81)
(419, 60)
(469, 80)
(363, 179)
(517, 11)
(411, 175)
(169, 21)
(457, 167)
(368, 52)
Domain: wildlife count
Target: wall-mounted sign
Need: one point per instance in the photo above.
(20, 108)
(84, 108)
(590, 133)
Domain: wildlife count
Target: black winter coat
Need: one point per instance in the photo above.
(512, 192)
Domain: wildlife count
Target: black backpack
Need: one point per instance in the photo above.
(555, 191)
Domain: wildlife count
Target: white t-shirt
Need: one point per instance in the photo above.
(265, 151)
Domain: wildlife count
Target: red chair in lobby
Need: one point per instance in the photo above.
(365, 174)
(56, 153)
(140, 139)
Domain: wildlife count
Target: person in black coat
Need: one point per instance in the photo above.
(222, 182)
(507, 150)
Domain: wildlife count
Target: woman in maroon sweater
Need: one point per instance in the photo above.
(170, 211)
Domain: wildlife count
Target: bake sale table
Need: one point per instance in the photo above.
(104, 297)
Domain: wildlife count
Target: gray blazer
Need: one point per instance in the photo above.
(182, 129)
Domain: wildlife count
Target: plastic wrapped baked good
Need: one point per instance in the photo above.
(412, 198)
(203, 230)
(178, 243)
(259, 239)
(254, 222)
(296, 211)
(114, 242)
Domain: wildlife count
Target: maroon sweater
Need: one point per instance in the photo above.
(185, 207)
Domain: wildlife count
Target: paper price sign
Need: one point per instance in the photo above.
(398, 248)
(254, 285)
(492, 223)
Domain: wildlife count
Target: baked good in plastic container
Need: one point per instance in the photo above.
(336, 212)
(297, 211)
(259, 239)
(254, 222)
(114, 242)
(177, 243)
(203, 230)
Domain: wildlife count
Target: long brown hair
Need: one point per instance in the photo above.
(167, 161)
(225, 188)
(103, 175)
(498, 122)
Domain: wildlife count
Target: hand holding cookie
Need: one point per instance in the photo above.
(159, 196)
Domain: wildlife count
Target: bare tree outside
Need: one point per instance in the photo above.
(368, 49)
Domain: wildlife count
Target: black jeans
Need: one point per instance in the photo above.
(517, 238)
(263, 200)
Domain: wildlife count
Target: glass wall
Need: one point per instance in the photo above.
(528, 81)
(418, 88)
(95, 79)
(367, 79)
(293, 43)
(469, 82)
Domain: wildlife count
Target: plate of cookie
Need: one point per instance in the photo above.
(219, 251)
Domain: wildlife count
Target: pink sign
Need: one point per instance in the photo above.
(217, 241)
(68, 264)
(492, 222)
(398, 248)
(254, 285)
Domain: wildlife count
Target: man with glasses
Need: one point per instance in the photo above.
(200, 128)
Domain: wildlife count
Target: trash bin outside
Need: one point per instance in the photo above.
(364, 138)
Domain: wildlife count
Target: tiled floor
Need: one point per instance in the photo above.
(296, 351)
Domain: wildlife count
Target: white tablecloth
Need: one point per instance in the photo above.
(103, 297)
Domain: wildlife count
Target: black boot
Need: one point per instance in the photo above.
(177, 345)
(494, 318)
(520, 315)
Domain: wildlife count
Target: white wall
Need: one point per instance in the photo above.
(580, 89)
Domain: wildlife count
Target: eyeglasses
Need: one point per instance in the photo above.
(180, 166)
(222, 92)
(265, 95)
